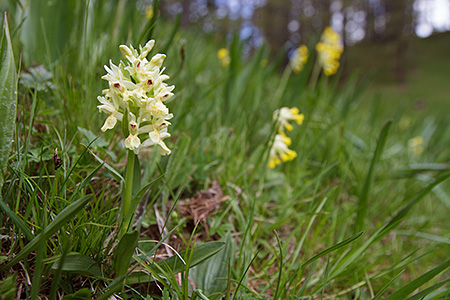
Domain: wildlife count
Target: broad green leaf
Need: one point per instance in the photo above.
(174, 264)
(410, 287)
(171, 265)
(79, 264)
(8, 287)
(46, 30)
(201, 253)
(124, 252)
(8, 97)
(364, 197)
(61, 219)
(210, 276)
(83, 294)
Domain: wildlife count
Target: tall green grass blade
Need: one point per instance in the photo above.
(280, 267)
(384, 288)
(244, 274)
(418, 282)
(427, 291)
(166, 46)
(439, 295)
(364, 198)
(124, 252)
(78, 264)
(117, 176)
(17, 220)
(86, 149)
(38, 269)
(333, 248)
(8, 97)
(404, 211)
(85, 181)
(60, 220)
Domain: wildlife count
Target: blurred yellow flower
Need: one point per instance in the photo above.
(329, 51)
(285, 114)
(264, 62)
(415, 145)
(224, 56)
(280, 151)
(149, 11)
(299, 58)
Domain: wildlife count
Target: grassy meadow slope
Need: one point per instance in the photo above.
(360, 213)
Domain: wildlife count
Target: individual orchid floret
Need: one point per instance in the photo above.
(299, 59)
(137, 89)
(285, 114)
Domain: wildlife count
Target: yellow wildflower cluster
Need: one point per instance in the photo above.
(224, 56)
(280, 152)
(299, 58)
(136, 95)
(416, 145)
(329, 51)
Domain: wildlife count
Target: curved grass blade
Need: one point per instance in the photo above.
(364, 198)
(427, 291)
(18, 221)
(404, 211)
(384, 288)
(410, 287)
(333, 248)
(245, 273)
(61, 219)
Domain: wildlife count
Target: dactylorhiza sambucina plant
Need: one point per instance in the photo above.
(280, 152)
(136, 97)
(329, 50)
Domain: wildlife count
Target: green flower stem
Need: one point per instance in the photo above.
(315, 75)
(282, 85)
(127, 194)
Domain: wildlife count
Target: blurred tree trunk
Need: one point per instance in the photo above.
(322, 14)
(273, 19)
(185, 4)
(370, 21)
(398, 20)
